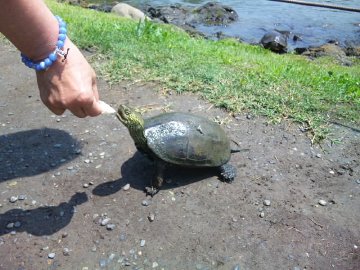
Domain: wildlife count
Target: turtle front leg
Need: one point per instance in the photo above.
(158, 180)
(227, 173)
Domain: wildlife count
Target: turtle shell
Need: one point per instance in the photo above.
(187, 139)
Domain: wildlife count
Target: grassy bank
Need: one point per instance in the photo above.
(237, 77)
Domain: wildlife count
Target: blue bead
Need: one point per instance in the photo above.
(60, 44)
(37, 67)
(53, 57)
(62, 30)
(47, 62)
(62, 24)
(42, 65)
(62, 37)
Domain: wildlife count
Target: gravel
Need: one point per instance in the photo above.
(322, 202)
(267, 202)
(51, 255)
(104, 221)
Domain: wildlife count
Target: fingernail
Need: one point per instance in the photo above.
(106, 108)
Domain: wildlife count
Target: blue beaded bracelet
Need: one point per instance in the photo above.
(47, 62)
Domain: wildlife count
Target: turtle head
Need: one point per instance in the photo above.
(130, 118)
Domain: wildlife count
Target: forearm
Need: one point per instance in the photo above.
(30, 26)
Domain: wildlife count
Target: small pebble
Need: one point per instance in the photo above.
(64, 235)
(51, 255)
(112, 256)
(322, 202)
(110, 227)
(155, 264)
(122, 237)
(57, 173)
(318, 155)
(358, 181)
(17, 224)
(142, 243)
(86, 185)
(126, 187)
(70, 168)
(10, 225)
(102, 262)
(66, 252)
(22, 197)
(262, 214)
(87, 160)
(13, 199)
(151, 217)
(105, 221)
(267, 202)
(145, 203)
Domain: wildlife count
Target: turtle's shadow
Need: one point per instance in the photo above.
(138, 171)
(35, 151)
(45, 220)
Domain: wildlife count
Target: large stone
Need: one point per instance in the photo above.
(275, 41)
(214, 13)
(127, 11)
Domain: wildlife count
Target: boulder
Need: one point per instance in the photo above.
(127, 11)
(275, 41)
(214, 13)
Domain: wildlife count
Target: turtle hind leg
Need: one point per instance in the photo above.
(227, 173)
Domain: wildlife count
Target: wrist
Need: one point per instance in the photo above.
(55, 51)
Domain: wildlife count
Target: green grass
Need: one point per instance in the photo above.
(234, 76)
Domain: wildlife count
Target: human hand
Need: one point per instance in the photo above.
(70, 85)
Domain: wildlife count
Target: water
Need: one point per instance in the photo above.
(314, 25)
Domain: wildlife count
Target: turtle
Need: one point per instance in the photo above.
(180, 139)
(275, 41)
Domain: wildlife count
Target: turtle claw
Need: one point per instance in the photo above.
(151, 191)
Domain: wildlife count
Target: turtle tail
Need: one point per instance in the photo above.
(239, 150)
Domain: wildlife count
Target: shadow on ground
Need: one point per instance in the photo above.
(45, 220)
(32, 152)
(139, 170)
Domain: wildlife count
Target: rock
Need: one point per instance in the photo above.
(127, 11)
(142, 243)
(104, 221)
(330, 50)
(267, 202)
(51, 255)
(100, 7)
(17, 224)
(22, 197)
(353, 51)
(110, 227)
(214, 13)
(66, 252)
(275, 41)
(151, 217)
(322, 202)
(262, 214)
(145, 203)
(126, 187)
(13, 199)
(102, 263)
(10, 225)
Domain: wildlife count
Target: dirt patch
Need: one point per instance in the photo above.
(66, 175)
